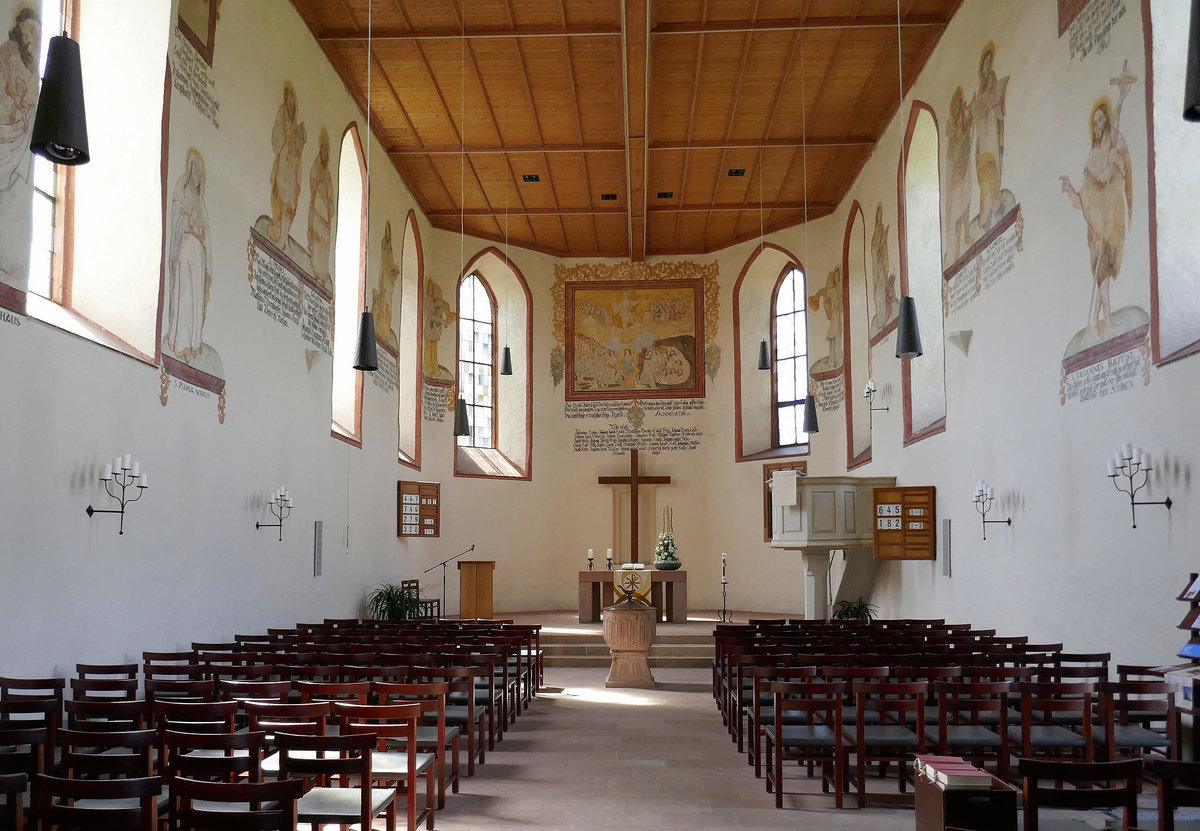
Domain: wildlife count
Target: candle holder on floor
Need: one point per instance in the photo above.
(124, 473)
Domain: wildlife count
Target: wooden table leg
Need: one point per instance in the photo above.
(677, 602)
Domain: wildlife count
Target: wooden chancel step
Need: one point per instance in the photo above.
(587, 649)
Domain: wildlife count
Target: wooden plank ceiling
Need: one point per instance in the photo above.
(631, 114)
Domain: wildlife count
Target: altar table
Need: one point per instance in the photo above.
(668, 593)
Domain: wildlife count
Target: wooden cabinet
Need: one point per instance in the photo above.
(475, 588)
(981, 809)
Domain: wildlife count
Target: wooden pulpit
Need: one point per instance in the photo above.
(475, 588)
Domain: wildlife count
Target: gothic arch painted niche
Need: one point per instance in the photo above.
(856, 312)
(410, 383)
(923, 378)
(512, 455)
(753, 304)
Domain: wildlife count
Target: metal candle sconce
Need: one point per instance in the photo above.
(124, 473)
(280, 504)
(1127, 463)
(869, 394)
(983, 504)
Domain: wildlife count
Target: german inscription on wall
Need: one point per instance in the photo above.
(434, 403)
(831, 392)
(987, 268)
(193, 79)
(387, 376)
(283, 297)
(1091, 31)
(617, 438)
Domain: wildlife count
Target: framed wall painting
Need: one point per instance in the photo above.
(635, 339)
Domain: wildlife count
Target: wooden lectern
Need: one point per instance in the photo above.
(475, 588)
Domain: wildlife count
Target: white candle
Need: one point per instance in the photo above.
(107, 472)
(1117, 458)
(145, 483)
(1127, 450)
(988, 493)
(724, 580)
(609, 554)
(1112, 468)
(1137, 455)
(589, 553)
(117, 464)
(1146, 461)
(137, 468)
(127, 462)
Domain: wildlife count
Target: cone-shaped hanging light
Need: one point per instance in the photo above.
(506, 362)
(810, 414)
(764, 355)
(366, 358)
(462, 427)
(1191, 81)
(908, 335)
(60, 127)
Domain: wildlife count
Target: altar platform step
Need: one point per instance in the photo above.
(589, 650)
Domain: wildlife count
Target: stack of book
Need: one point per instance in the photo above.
(951, 772)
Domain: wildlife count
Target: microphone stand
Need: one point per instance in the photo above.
(443, 566)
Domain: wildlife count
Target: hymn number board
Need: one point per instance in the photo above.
(419, 509)
(905, 523)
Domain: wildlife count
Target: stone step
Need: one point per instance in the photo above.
(587, 649)
(678, 650)
(596, 637)
(603, 661)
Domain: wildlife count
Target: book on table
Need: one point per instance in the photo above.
(967, 777)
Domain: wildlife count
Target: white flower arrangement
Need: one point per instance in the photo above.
(665, 551)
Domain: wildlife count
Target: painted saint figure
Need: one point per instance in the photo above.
(958, 180)
(830, 296)
(18, 98)
(381, 298)
(883, 282)
(188, 258)
(287, 140)
(664, 365)
(437, 316)
(320, 212)
(988, 110)
(1105, 197)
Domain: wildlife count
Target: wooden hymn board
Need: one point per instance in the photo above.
(905, 523)
(418, 509)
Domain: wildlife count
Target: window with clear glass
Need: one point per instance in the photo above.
(791, 358)
(477, 360)
(349, 286)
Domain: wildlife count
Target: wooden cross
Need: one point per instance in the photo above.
(633, 480)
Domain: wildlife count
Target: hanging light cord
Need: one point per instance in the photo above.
(900, 73)
(367, 235)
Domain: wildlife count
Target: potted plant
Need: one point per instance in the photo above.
(666, 555)
(854, 610)
(392, 602)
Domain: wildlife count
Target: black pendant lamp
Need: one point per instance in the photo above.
(810, 414)
(764, 355)
(908, 336)
(60, 127)
(365, 357)
(462, 427)
(506, 362)
(1191, 89)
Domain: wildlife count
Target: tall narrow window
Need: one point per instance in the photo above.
(477, 360)
(350, 273)
(791, 358)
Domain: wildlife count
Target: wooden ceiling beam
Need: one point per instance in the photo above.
(506, 150)
(635, 26)
(751, 144)
(482, 33)
(742, 206)
(791, 24)
(453, 213)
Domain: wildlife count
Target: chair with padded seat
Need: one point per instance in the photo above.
(110, 804)
(222, 806)
(127, 754)
(404, 766)
(1104, 785)
(461, 709)
(972, 722)
(323, 759)
(1178, 787)
(761, 713)
(890, 727)
(1127, 709)
(806, 727)
(1056, 720)
(440, 738)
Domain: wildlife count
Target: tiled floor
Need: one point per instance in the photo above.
(585, 757)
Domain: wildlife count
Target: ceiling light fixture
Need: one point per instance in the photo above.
(506, 355)
(810, 399)
(462, 426)
(908, 334)
(60, 126)
(366, 357)
(764, 350)
(1191, 88)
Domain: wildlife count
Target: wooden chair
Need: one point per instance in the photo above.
(323, 758)
(37, 700)
(12, 788)
(1056, 720)
(107, 714)
(24, 749)
(229, 689)
(1178, 787)
(815, 735)
(61, 803)
(127, 754)
(177, 689)
(354, 692)
(405, 767)
(222, 806)
(463, 713)
(105, 682)
(890, 728)
(761, 712)
(440, 738)
(1123, 795)
(1123, 704)
(972, 721)
(426, 607)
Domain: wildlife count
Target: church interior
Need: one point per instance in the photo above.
(874, 306)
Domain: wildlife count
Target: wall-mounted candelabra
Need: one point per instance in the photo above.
(1124, 468)
(280, 504)
(983, 504)
(869, 394)
(123, 473)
